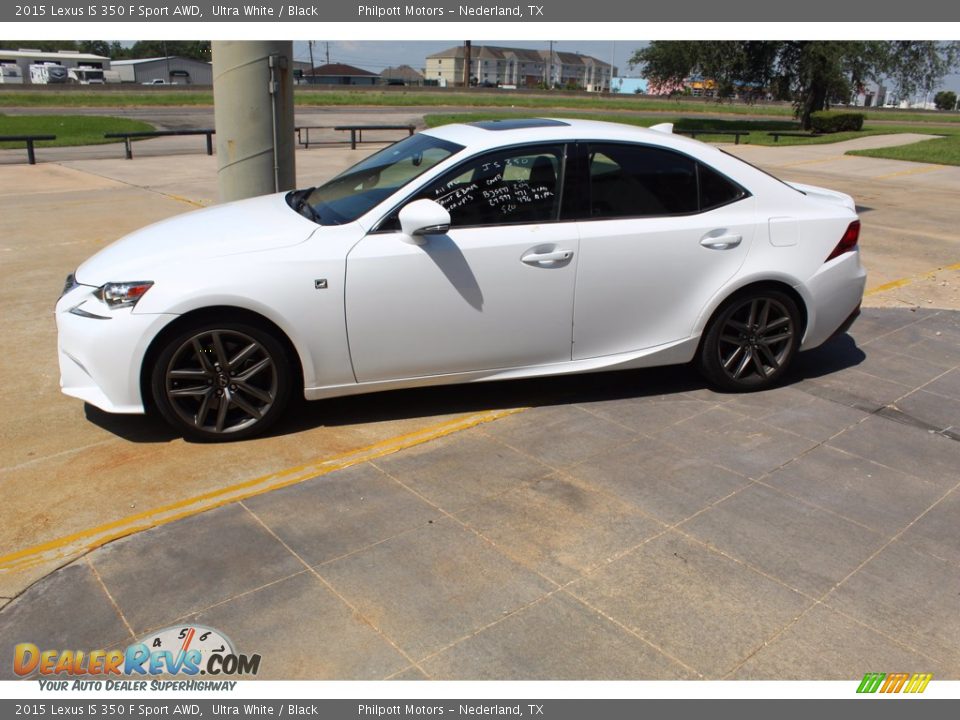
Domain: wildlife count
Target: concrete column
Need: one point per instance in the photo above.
(253, 114)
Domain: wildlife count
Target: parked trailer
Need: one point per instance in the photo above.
(85, 75)
(48, 74)
(10, 74)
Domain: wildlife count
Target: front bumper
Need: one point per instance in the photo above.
(100, 359)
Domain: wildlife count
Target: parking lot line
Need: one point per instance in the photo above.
(78, 543)
(912, 171)
(894, 284)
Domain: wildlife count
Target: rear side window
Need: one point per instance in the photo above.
(639, 181)
(642, 181)
(717, 190)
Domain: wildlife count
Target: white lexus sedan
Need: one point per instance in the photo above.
(483, 251)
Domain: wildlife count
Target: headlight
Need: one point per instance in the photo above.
(122, 294)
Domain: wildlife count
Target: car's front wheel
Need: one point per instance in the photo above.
(220, 381)
(751, 341)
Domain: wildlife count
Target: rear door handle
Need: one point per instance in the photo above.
(547, 258)
(721, 242)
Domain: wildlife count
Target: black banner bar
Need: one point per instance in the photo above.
(529, 11)
(874, 708)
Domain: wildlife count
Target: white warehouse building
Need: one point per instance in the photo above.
(173, 69)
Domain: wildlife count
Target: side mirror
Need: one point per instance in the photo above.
(424, 217)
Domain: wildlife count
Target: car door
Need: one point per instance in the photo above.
(663, 233)
(495, 291)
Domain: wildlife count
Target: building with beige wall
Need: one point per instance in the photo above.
(520, 67)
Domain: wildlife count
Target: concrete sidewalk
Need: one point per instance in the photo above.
(628, 526)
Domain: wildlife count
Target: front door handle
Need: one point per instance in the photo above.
(721, 242)
(546, 259)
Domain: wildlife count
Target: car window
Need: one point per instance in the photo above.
(717, 190)
(518, 185)
(359, 188)
(640, 181)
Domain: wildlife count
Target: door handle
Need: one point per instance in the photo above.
(545, 258)
(721, 242)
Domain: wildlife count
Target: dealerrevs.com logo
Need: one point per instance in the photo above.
(184, 650)
(889, 683)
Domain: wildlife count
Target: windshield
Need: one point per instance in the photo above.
(354, 191)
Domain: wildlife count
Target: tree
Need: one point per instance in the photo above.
(94, 47)
(41, 45)
(812, 73)
(198, 50)
(945, 100)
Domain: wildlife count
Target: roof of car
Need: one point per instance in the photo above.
(494, 133)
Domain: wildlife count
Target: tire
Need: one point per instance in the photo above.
(202, 400)
(751, 341)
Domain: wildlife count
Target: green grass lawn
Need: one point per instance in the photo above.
(69, 129)
(305, 96)
(942, 151)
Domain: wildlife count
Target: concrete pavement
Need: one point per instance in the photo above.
(628, 526)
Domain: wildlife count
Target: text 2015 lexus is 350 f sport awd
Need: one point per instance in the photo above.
(484, 251)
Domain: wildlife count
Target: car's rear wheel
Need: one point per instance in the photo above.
(220, 381)
(751, 341)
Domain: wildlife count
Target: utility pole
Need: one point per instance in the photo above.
(550, 68)
(466, 64)
(166, 56)
(310, 44)
(613, 58)
(328, 53)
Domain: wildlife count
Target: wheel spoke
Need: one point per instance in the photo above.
(733, 356)
(243, 355)
(222, 412)
(245, 406)
(786, 335)
(201, 417)
(769, 356)
(202, 356)
(261, 395)
(753, 313)
(189, 391)
(776, 323)
(764, 316)
(737, 325)
(253, 370)
(188, 374)
(758, 363)
(747, 357)
(221, 352)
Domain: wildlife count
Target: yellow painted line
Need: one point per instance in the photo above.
(85, 540)
(182, 199)
(814, 162)
(894, 284)
(911, 171)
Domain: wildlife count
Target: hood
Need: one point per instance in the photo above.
(831, 196)
(256, 224)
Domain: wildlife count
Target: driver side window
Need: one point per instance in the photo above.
(507, 187)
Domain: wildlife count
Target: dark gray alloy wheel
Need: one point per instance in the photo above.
(222, 382)
(751, 342)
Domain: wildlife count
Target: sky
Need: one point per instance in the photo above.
(377, 55)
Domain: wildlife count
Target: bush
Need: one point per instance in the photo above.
(945, 100)
(831, 121)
